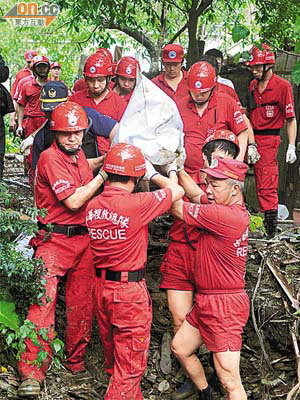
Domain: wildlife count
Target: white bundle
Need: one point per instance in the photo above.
(152, 122)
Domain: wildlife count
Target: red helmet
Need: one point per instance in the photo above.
(29, 54)
(105, 52)
(260, 57)
(55, 65)
(127, 67)
(68, 117)
(125, 159)
(40, 60)
(201, 77)
(172, 53)
(97, 65)
(223, 134)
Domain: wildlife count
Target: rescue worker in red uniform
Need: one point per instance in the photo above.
(125, 81)
(28, 56)
(118, 227)
(97, 72)
(55, 71)
(221, 309)
(177, 268)
(173, 80)
(23, 73)
(29, 98)
(80, 84)
(64, 184)
(270, 104)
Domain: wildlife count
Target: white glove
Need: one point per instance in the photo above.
(19, 131)
(171, 167)
(180, 159)
(253, 154)
(291, 154)
(150, 171)
(26, 144)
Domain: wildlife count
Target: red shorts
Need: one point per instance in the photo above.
(177, 268)
(220, 319)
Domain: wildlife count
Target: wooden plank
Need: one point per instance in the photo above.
(281, 62)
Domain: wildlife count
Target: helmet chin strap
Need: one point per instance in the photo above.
(201, 103)
(265, 71)
(69, 152)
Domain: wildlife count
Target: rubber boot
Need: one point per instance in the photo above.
(185, 391)
(205, 394)
(270, 222)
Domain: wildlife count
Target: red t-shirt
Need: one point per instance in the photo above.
(181, 91)
(222, 88)
(30, 98)
(222, 246)
(79, 85)
(22, 81)
(20, 75)
(127, 97)
(272, 116)
(118, 226)
(57, 178)
(112, 106)
(222, 112)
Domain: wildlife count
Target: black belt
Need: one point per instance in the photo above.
(275, 132)
(116, 276)
(68, 230)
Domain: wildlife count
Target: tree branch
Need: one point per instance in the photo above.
(203, 6)
(178, 33)
(173, 3)
(93, 31)
(138, 36)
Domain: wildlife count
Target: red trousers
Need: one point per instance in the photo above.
(266, 172)
(124, 314)
(62, 255)
(31, 124)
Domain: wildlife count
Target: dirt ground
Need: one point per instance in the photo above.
(268, 362)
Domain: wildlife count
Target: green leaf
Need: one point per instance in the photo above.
(266, 382)
(297, 47)
(297, 26)
(8, 315)
(296, 73)
(239, 32)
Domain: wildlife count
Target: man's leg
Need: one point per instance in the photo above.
(131, 313)
(227, 365)
(79, 303)
(184, 345)
(180, 302)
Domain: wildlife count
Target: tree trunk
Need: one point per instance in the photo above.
(193, 50)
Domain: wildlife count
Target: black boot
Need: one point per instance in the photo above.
(270, 222)
(205, 394)
(185, 391)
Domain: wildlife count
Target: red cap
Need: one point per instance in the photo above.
(260, 57)
(29, 54)
(68, 117)
(172, 53)
(97, 64)
(222, 168)
(223, 134)
(55, 64)
(201, 77)
(125, 159)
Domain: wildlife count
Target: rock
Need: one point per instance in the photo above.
(165, 358)
(164, 386)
